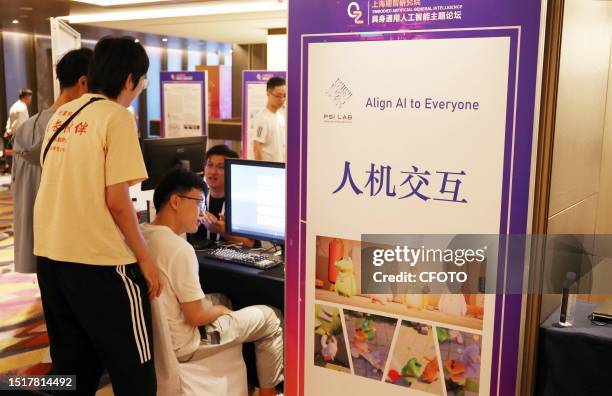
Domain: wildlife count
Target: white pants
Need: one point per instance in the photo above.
(259, 324)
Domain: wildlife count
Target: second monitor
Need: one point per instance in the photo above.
(162, 154)
(255, 199)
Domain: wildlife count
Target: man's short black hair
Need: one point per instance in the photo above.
(274, 82)
(72, 66)
(23, 92)
(221, 149)
(114, 59)
(176, 181)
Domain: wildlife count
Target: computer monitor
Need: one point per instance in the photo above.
(161, 155)
(255, 199)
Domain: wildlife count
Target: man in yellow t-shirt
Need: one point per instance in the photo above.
(94, 267)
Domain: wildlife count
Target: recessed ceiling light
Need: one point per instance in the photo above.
(165, 39)
(175, 11)
(15, 21)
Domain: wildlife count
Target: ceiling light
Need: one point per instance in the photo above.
(164, 39)
(107, 3)
(15, 21)
(153, 12)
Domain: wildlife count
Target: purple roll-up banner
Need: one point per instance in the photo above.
(410, 117)
(253, 101)
(183, 103)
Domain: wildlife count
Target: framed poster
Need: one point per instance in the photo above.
(183, 103)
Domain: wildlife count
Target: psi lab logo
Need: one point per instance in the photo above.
(355, 12)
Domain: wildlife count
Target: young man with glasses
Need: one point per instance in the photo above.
(270, 140)
(197, 321)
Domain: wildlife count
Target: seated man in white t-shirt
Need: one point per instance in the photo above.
(179, 202)
(270, 140)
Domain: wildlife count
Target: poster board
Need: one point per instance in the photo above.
(63, 39)
(390, 102)
(253, 101)
(183, 104)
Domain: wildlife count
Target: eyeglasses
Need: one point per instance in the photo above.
(279, 96)
(201, 202)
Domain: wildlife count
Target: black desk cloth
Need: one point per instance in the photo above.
(574, 361)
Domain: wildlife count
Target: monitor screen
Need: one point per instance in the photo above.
(161, 155)
(255, 199)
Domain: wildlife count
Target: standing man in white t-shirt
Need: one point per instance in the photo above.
(18, 114)
(270, 140)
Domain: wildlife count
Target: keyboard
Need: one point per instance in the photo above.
(241, 256)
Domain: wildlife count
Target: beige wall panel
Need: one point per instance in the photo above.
(581, 103)
(578, 219)
(604, 207)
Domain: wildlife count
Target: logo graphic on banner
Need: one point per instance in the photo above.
(339, 93)
(354, 12)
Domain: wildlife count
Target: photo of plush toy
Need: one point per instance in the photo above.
(330, 346)
(370, 339)
(460, 352)
(343, 277)
(414, 362)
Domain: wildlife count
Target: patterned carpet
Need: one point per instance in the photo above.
(23, 335)
(24, 343)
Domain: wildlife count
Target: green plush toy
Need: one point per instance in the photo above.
(443, 334)
(327, 321)
(413, 368)
(345, 281)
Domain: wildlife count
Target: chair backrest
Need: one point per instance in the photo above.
(166, 365)
(211, 372)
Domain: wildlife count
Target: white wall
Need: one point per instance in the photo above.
(277, 52)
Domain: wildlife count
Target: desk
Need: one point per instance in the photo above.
(577, 360)
(243, 285)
